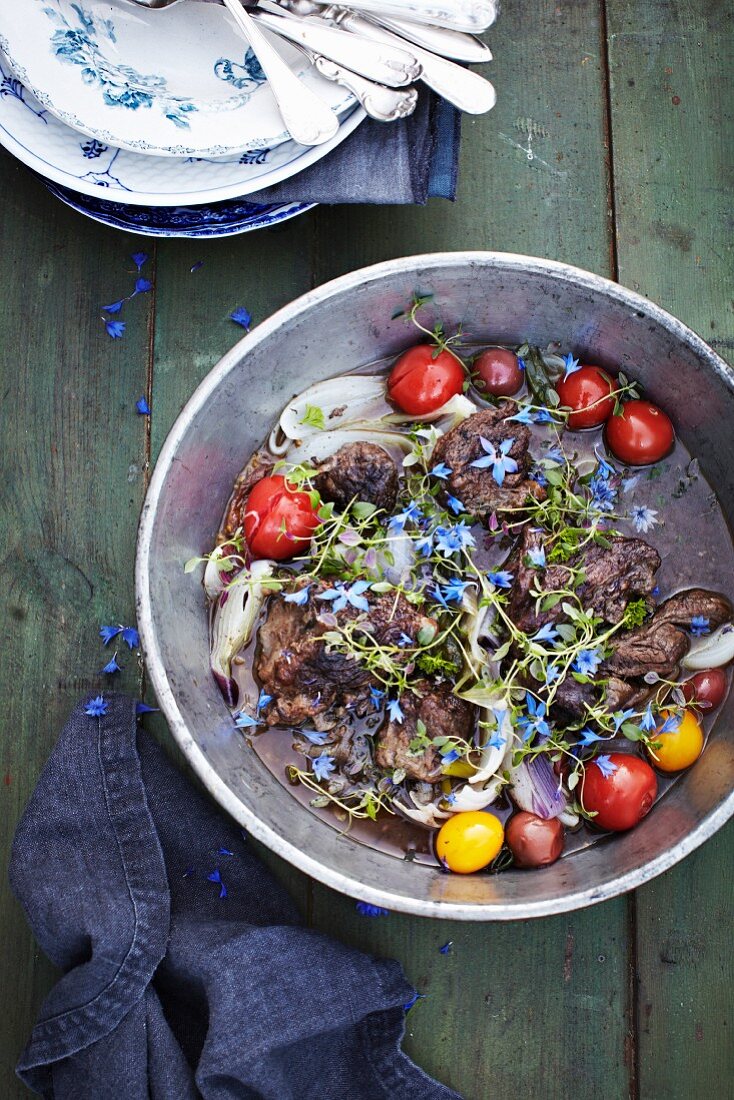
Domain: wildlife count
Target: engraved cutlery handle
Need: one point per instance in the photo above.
(383, 104)
(308, 119)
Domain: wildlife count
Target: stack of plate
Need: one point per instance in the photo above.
(159, 122)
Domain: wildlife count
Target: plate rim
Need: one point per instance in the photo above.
(219, 193)
(142, 146)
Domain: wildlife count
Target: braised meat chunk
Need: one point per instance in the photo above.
(442, 713)
(358, 471)
(305, 679)
(477, 487)
(614, 575)
(659, 645)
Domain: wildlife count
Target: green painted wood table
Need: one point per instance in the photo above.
(609, 148)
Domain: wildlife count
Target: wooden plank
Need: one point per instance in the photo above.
(71, 468)
(537, 1009)
(548, 74)
(671, 96)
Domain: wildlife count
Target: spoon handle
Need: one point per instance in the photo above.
(381, 103)
(453, 44)
(392, 63)
(308, 119)
(468, 91)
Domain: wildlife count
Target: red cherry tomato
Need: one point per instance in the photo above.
(420, 383)
(707, 688)
(278, 519)
(641, 434)
(497, 371)
(621, 798)
(587, 391)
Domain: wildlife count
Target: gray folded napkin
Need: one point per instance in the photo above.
(187, 970)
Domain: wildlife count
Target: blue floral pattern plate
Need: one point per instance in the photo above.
(178, 82)
(224, 219)
(90, 167)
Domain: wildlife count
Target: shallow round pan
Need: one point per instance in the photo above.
(347, 323)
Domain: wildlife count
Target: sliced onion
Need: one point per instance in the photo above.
(713, 652)
(318, 447)
(476, 624)
(342, 400)
(493, 759)
(428, 814)
(216, 579)
(402, 550)
(235, 615)
(536, 788)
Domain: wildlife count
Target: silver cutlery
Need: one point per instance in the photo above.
(392, 63)
(447, 43)
(471, 16)
(381, 103)
(308, 119)
(468, 91)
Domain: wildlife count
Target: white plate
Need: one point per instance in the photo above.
(180, 82)
(89, 167)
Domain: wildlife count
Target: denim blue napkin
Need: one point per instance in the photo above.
(187, 970)
(408, 161)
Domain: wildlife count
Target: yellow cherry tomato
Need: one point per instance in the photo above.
(681, 747)
(469, 841)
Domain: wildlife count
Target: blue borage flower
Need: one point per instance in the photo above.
(606, 765)
(552, 672)
(140, 259)
(143, 708)
(245, 721)
(142, 406)
(412, 514)
(643, 518)
(376, 697)
(499, 460)
(537, 557)
(647, 722)
(112, 666)
(300, 597)
(530, 415)
(547, 633)
(455, 505)
(587, 661)
(263, 700)
(629, 484)
(671, 724)
(142, 286)
(571, 365)
(395, 710)
(224, 852)
(449, 540)
(216, 876)
(534, 721)
(316, 737)
(414, 1000)
(323, 765)
(450, 756)
(441, 471)
(241, 317)
(620, 717)
(501, 579)
(424, 545)
(587, 737)
(366, 910)
(700, 626)
(96, 707)
(107, 633)
(115, 307)
(520, 362)
(130, 637)
(453, 591)
(340, 596)
(446, 949)
(115, 329)
(405, 639)
(196, 266)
